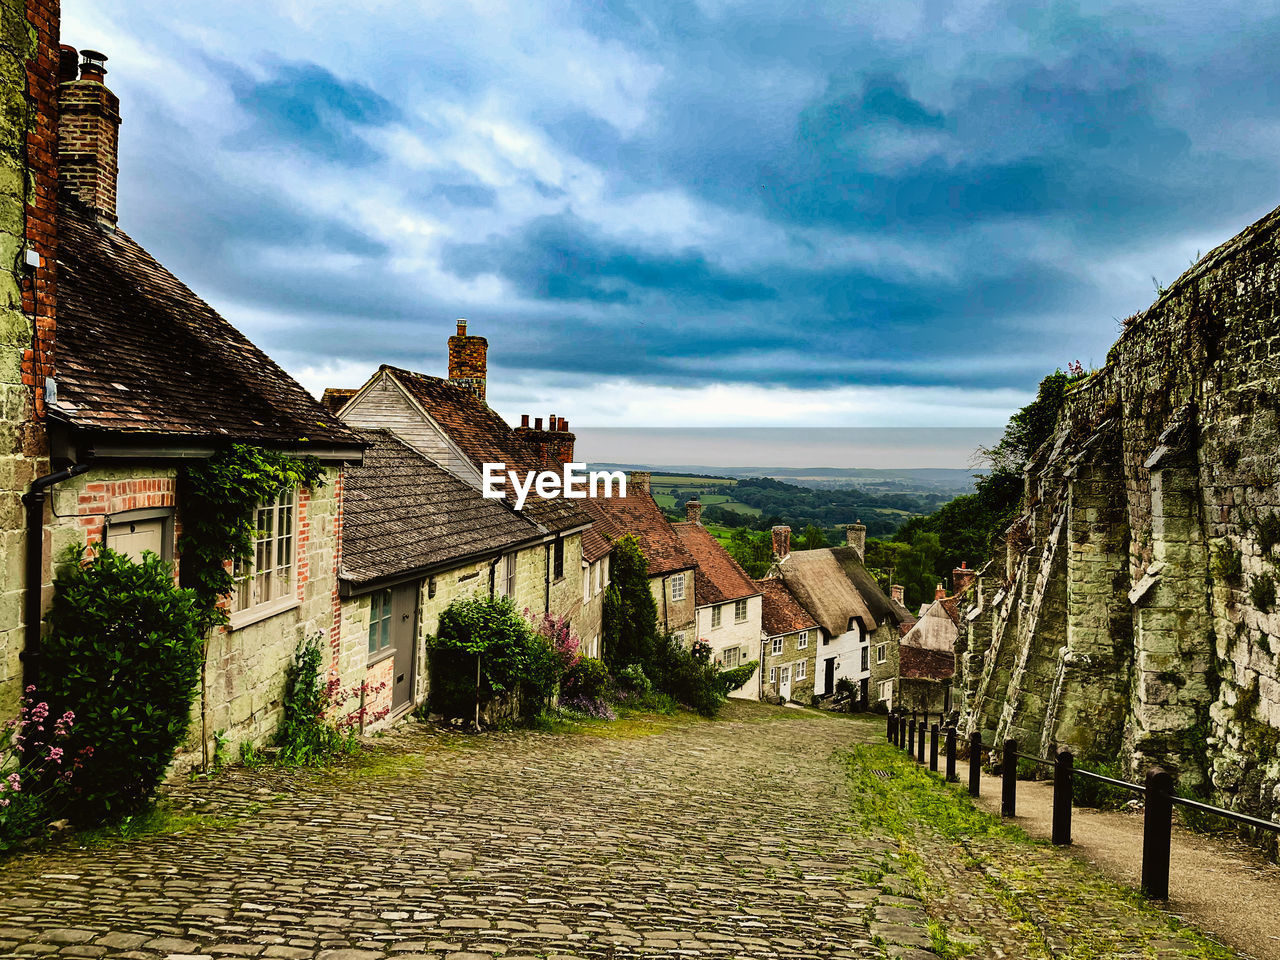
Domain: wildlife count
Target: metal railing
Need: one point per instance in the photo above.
(1158, 791)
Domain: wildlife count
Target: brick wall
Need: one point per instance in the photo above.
(87, 144)
(468, 363)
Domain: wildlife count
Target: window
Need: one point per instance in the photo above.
(715, 617)
(866, 658)
(882, 653)
(596, 577)
(379, 622)
(431, 588)
(267, 577)
(739, 611)
(677, 587)
(802, 640)
(586, 582)
(558, 559)
(679, 636)
(801, 669)
(729, 658)
(886, 690)
(777, 646)
(605, 570)
(773, 674)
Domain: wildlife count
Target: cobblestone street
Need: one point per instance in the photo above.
(729, 839)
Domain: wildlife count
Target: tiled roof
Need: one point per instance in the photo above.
(780, 611)
(484, 437)
(935, 630)
(717, 578)
(917, 663)
(819, 582)
(402, 513)
(594, 544)
(139, 353)
(638, 515)
(335, 398)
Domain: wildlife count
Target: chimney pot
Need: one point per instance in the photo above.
(564, 425)
(524, 420)
(781, 543)
(462, 327)
(939, 592)
(537, 423)
(68, 63)
(693, 510)
(93, 65)
(895, 591)
(961, 577)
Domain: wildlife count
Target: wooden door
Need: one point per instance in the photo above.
(784, 684)
(404, 637)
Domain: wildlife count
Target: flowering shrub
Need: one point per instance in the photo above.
(35, 767)
(123, 653)
(316, 726)
(701, 651)
(588, 707)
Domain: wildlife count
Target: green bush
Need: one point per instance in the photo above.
(630, 612)
(123, 653)
(685, 676)
(1263, 592)
(515, 661)
(307, 736)
(735, 678)
(586, 679)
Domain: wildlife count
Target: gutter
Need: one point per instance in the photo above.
(34, 500)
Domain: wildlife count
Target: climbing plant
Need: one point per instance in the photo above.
(218, 498)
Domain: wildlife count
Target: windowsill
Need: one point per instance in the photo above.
(264, 611)
(377, 658)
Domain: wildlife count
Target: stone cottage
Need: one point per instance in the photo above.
(415, 538)
(788, 651)
(671, 566)
(726, 600)
(140, 377)
(449, 423)
(852, 612)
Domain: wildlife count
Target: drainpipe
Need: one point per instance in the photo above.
(546, 598)
(34, 500)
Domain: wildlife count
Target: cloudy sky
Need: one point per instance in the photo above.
(714, 212)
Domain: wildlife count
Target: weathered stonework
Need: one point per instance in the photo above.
(1134, 613)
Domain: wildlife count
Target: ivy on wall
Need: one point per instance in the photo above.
(218, 498)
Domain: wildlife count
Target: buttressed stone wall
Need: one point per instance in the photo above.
(1133, 613)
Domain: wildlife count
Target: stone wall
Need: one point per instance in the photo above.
(16, 467)
(791, 654)
(1133, 613)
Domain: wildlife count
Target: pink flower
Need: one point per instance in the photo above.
(55, 754)
(15, 782)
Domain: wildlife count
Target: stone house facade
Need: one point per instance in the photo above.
(789, 646)
(114, 411)
(727, 602)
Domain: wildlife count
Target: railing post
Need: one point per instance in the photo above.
(1009, 779)
(933, 748)
(951, 755)
(1157, 828)
(975, 763)
(920, 743)
(911, 733)
(1062, 777)
(888, 730)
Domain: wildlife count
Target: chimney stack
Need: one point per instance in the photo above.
(693, 510)
(855, 535)
(638, 480)
(468, 361)
(524, 421)
(961, 577)
(781, 543)
(88, 132)
(895, 592)
(940, 592)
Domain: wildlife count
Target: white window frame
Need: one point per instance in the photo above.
(739, 611)
(773, 675)
(882, 652)
(586, 582)
(677, 587)
(777, 646)
(716, 618)
(886, 690)
(263, 592)
(379, 633)
(800, 670)
(802, 640)
(725, 655)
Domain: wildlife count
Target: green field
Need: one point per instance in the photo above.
(665, 487)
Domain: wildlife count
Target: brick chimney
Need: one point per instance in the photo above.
(468, 361)
(939, 592)
(638, 480)
(693, 510)
(555, 444)
(855, 535)
(88, 132)
(781, 543)
(961, 577)
(895, 592)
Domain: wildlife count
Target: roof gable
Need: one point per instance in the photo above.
(139, 353)
(780, 611)
(638, 515)
(717, 577)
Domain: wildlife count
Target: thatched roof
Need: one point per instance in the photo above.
(819, 581)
